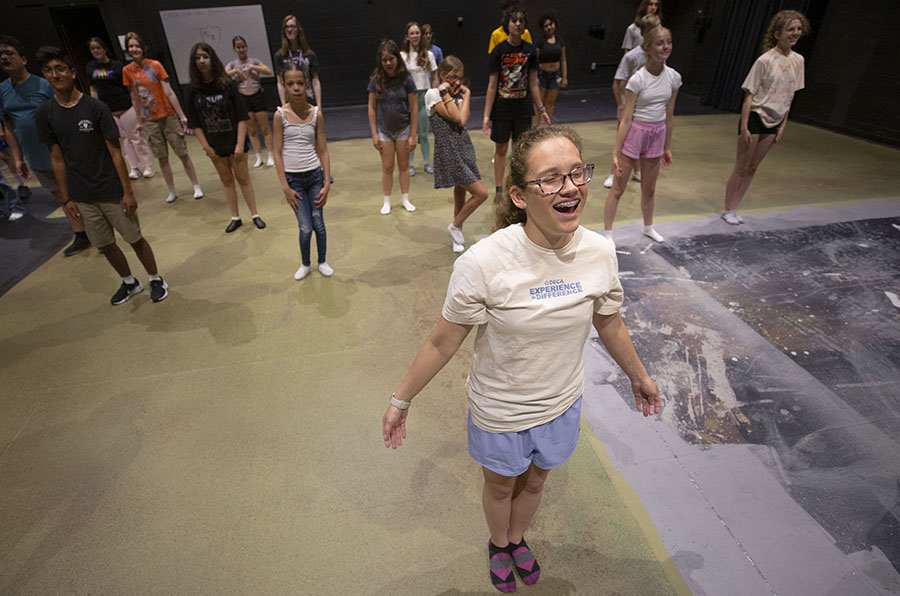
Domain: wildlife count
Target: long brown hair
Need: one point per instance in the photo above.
(301, 37)
(506, 213)
(422, 57)
(380, 76)
(779, 22)
(220, 78)
(642, 11)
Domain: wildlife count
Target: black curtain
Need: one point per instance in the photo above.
(740, 30)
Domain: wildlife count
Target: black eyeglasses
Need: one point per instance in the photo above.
(553, 183)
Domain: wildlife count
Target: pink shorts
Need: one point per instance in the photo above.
(645, 139)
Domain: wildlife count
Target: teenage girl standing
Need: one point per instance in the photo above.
(454, 155)
(552, 66)
(303, 165)
(294, 49)
(105, 74)
(768, 92)
(393, 119)
(633, 36)
(246, 71)
(645, 131)
(422, 67)
(161, 115)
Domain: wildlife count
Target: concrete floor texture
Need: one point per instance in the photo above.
(228, 440)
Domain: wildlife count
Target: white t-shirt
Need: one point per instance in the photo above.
(772, 80)
(420, 76)
(653, 93)
(630, 63)
(533, 307)
(433, 97)
(633, 38)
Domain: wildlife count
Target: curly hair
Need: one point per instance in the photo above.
(422, 51)
(506, 212)
(779, 22)
(380, 76)
(548, 15)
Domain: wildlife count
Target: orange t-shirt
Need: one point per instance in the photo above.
(146, 80)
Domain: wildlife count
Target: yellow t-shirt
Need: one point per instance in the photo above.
(533, 307)
(499, 35)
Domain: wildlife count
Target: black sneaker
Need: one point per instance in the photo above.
(159, 289)
(24, 192)
(125, 292)
(79, 244)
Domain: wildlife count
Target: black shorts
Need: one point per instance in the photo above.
(756, 127)
(501, 129)
(256, 102)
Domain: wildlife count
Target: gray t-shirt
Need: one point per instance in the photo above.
(392, 110)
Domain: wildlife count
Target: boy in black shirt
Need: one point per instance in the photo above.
(89, 169)
(512, 88)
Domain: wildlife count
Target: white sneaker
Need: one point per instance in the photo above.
(16, 216)
(270, 162)
(258, 162)
(731, 217)
(456, 234)
(649, 232)
(148, 172)
(412, 171)
(134, 174)
(325, 269)
(386, 208)
(302, 272)
(608, 183)
(738, 216)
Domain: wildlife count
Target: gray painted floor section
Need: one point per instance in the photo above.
(725, 511)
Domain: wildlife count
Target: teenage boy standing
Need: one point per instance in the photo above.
(91, 173)
(20, 95)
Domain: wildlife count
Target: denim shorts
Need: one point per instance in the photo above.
(547, 445)
(393, 137)
(548, 79)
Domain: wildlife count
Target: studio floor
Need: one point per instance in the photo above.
(227, 440)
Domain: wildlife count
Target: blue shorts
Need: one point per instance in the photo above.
(547, 445)
(549, 79)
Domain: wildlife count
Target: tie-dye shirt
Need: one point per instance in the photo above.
(146, 81)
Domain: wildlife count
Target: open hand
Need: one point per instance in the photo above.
(393, 427)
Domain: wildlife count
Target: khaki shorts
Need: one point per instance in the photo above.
(100, 219)
(165, 129)
(47, 180)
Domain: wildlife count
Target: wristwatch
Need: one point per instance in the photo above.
(443, 92)
(400, 405)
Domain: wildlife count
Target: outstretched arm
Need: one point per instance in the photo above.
(437, 351)
(615, 338)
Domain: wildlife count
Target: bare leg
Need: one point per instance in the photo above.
(402, 149)
(550, 101)
(500, 150)
(749, 157)
(242, 174)
(650, 173)
(253, 133)
(462, 208)
(387, 168)
(223, 168)
(145, 255)
(496, 498)
(166, 170)
(526, 498)
(615, 193)
(117, 259)
(189, 168)
(262, 120)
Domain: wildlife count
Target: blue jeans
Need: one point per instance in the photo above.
(309, 217)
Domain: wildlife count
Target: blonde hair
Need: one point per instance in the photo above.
(651, 35)
(779, 22)
(648, 22)
(506, 213)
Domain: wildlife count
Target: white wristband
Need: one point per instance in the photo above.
(400, 405)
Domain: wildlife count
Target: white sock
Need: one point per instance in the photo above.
(653, 234)
(129, 280)
(406, 204)
(235, 219)
(156, 277)
(198, 192)
(172, 194)
(386, 208)
(607, 233)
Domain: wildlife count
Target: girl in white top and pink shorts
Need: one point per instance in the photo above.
(645, 130)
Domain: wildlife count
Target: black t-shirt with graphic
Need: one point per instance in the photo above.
(81, 133)
(217, 112)
(512, 65)
(107, 78)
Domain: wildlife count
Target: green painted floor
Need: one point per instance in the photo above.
(227, 440)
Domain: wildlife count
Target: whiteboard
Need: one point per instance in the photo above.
(217, 27)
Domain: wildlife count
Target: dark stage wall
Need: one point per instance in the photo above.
(851, 73)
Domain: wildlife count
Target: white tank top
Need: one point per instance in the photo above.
(298, 148)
